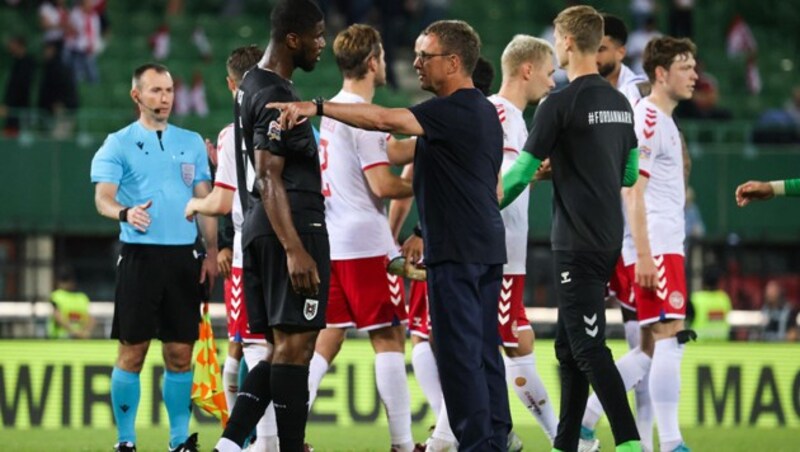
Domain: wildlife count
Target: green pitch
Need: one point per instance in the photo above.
(370, 438)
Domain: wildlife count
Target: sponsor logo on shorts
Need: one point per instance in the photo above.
(676, 300)
(565, 278)
(310, 309)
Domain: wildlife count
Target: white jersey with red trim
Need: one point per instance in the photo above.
(226, 178)
(515, 216)
(661, 161)
(356, 218)
(628, 84)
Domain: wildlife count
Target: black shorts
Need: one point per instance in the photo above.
(158, 294)
(271, 300)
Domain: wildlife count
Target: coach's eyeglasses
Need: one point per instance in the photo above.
(424, 57)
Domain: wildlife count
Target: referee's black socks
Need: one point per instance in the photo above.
(251, 402)
(290, 395)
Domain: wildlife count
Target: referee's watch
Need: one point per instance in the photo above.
(418, 231)
(318, 101)
(123, 214)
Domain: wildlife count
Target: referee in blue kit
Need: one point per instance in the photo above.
(144, 174)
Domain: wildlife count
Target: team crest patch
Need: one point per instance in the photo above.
(676, 300)
(310, 309)
(645, 152)
(187, 173)
(274, 131)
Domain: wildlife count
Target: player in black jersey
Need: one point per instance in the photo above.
(586, 130)
(285, 242)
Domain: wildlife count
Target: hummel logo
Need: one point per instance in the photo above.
(591, 321)
(140, 144)
(565, 278)
(125, 408)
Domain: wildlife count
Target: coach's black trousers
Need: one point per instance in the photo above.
(581, 278)
(463, 307)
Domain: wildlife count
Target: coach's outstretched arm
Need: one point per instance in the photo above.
(757, 190)
(363, 116)
(517, 178)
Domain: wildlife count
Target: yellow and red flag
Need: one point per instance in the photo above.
(207, 389)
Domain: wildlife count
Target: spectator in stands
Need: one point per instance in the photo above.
(695, 227)
(642, 11)
(160, 42)
(197, 95)
(71, 318)
(202, 43)
(100, 7)
(680, 18)
(793, 105)
(19, 84)
(54, 21)
(182, 104)
(638, 40)
(58, 93)
(85, 44)
(780, 317)
(704, 104)
(711, 308)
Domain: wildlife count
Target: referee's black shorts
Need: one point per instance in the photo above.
(158, 294)
(271, 300)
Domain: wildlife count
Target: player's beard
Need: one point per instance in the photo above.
(606, 69)
(304, 61)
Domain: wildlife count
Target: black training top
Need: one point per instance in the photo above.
(261, 132)
(586, 130)
(456, 165)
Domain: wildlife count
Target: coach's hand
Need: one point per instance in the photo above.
(646, 273)
(293, 113)
(224, 262)
(412, 250)
(303, 271)
(209, 270)
(753, 190)
(138, 216)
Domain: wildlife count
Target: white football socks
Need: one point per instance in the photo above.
(316, 370)
(632, 367)
(427, 375)
(665, 385)
(522, 376)
(230, 380)
(390, 377)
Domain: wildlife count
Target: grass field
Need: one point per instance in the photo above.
(329, 438)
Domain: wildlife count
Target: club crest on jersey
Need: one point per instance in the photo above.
(187, 173)
(274, 131)
(645, 152)
(676, 300)
(310, 309)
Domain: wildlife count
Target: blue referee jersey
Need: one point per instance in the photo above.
(150, 166)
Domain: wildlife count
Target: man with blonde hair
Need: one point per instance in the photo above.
(527, 65)
(586, 130)
(355, 179)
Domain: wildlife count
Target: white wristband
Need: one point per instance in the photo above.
(778, 187)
